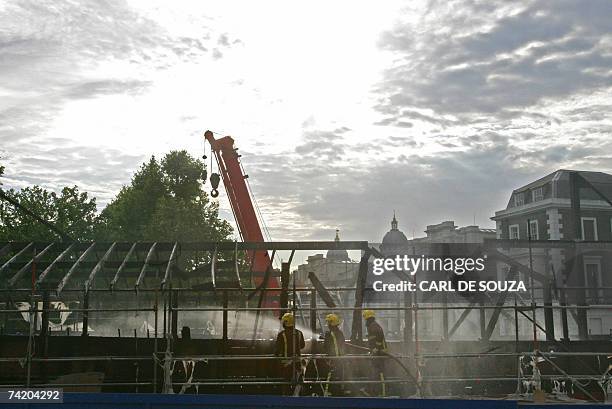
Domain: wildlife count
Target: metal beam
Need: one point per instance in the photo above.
(285, 278)
(462, 318)
(541, 328)
(278, 245)
(12, 259)
(284, 296)
(62, 283)
(98, 267)
(549, 319)
(357, 328)
(213, 264)
(47, 270)
(323, 293)
(231, 245)
(146, 264)
(262, 288)
(236, 266)
(122, 266)
(263, 284)
(494, 253)
(501, 300)
(313, 312)
(18, 275)
(171, 260)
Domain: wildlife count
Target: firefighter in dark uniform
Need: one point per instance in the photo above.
(334, 346)
(378, 347)
(289, 343)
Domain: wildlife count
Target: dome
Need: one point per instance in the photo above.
(393, 237)
(337, 255)
(395, 241)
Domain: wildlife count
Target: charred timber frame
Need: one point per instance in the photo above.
(83, 251)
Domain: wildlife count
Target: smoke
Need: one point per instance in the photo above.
(240, 324)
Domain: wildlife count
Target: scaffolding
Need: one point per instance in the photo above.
(171, 285)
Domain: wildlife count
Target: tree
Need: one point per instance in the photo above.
(71, 211)
(164, 202)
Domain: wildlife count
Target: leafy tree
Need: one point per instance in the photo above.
(164, 202)
(129, 214)
(71, 211)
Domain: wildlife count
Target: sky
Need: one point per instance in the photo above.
(344, 111)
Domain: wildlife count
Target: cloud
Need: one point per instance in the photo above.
(326, 182)
(55, 53)
(308, 191)
(91, 89)
(322, 145)
(479, 97)
(61, 162)
(466, 58)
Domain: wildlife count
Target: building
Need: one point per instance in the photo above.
(334, 269)
(569, 206)
(395, 241)
(546, 204)
(430, 322)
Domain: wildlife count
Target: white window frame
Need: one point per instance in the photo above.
(517, 202)
(590, 292)
(535, 235)
(594, 219)
(518, 232)
(537, 194)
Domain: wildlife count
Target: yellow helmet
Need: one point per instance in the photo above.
(368, 314)
(332, 319)
(287, 319)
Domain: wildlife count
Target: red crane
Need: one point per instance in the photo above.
(242, 207)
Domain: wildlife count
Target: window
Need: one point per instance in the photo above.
(426, 321)
(589, 228)
(519, 199)
(592, 280)
(514, 232)
(506, 326)
(537, 194)
(595, 326)
(533, 230)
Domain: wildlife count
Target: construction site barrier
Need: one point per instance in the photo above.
(155, 401)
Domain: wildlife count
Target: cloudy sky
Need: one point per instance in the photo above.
(343, 111)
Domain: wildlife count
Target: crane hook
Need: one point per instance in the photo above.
(214, 182)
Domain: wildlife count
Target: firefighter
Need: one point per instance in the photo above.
(378, 348)
(334, 346)
(289, 343)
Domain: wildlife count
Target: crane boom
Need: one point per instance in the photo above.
(242, 206)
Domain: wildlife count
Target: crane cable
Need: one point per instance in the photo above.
(266, 231)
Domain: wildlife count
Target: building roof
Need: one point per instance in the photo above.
(559, 182)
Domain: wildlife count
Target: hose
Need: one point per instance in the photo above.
(397, 360)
